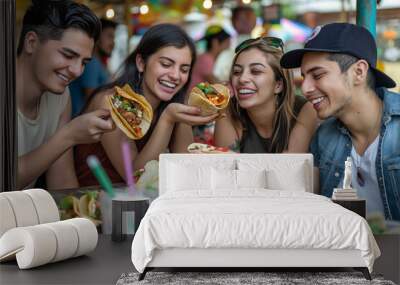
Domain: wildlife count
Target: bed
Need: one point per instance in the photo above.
(246, 211)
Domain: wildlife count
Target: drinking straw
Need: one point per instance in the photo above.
(126, 154)
(100, 174)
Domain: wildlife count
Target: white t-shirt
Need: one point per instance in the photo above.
(33, 133)
(365, 165)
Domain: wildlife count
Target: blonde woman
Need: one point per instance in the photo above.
(264, 116)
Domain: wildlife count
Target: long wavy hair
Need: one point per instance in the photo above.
(284, 118)
(156, 38)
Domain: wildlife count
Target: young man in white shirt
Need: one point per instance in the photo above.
(56, 42)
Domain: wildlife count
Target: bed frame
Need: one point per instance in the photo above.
(246, 259)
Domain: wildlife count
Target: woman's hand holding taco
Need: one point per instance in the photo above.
(131, 112)
(190, 115)
(210, 98)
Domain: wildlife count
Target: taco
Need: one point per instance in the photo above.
(210, 98)
(130, 111)
(206, 148)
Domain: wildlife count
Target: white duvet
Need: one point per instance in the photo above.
(253, 218)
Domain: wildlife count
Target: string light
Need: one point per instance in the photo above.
(144, 9)
(246, 1)
(110, 13)
(207, 4)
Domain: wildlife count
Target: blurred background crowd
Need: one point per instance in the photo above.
(217, 26)
(291, 20)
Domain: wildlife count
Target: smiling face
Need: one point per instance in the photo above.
(165, 72)
(56, 63)
(253, 79)
(324, 85)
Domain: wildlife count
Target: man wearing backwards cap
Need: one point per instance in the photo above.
(362, 118)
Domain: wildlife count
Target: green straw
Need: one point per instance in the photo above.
(100, 174)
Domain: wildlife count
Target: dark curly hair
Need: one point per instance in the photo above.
(50, 18)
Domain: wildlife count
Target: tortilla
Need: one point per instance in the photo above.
(206, 148)
(210, 98)
(132, 130)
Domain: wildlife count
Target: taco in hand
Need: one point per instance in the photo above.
(210, 98)
(206, 148)
(131, 112)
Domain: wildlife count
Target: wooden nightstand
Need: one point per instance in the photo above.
(357, 206)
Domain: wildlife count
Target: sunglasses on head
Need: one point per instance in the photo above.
(270, 41)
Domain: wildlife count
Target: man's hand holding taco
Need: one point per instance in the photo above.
(131, 112)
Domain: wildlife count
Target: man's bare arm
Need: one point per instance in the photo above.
(87, 128)
(64, 164)
(36, 162)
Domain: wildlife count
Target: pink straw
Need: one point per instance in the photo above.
(126, 154)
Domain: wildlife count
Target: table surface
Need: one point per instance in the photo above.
(104, 265)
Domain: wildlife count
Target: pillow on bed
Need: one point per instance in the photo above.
(195, 174)
(181, 177)
(292, 179)
(251, 178)
(227, 179)
(281, 174)
(223, 179)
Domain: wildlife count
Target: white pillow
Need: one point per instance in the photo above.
(183, 177)
(227, 179)
(283, 173)
(291, 179)
(223, 179)
(251, 178)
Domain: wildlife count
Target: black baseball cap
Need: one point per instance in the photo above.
(341, 38)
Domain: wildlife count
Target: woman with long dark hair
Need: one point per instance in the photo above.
(159, 69)
(264, 116)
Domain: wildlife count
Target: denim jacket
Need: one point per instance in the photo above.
(332, 144)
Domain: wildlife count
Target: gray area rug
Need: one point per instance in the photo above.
(243, 278)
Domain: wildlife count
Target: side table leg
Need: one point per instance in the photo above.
(116, 234)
